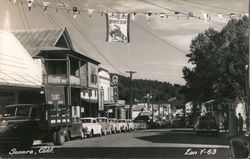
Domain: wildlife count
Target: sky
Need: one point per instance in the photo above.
(157, 49)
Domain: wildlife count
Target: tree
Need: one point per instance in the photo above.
(219, 59)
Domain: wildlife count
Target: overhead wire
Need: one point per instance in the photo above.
(24, 25)
(179, 12)
(212, 6)
(77, 26)
(154, 35)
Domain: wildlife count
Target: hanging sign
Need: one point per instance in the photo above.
(117, 27)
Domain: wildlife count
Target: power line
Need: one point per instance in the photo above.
(151, 33)
(179, 12)
(157, 37)
(212, 6)
(24, 25)
(77, 26)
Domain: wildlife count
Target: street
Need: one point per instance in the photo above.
(163, 143)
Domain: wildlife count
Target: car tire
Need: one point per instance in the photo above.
(104, 133)
(91, 134)
(82, 135)
(67, 136)
(59, 137)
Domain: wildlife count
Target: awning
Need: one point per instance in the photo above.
(19, 80)
(90, 100)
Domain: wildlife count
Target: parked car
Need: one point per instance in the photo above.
(140, 125)
(115, 126)
(123, 125)
(178, 122)
(91, 127)
(106, 127)
(131, 126)
(206, 124)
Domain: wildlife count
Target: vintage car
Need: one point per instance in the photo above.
(140, 125)
(123, 125)
(131, 125)
(115, 126)
(21, 124)
(206, 124)
(106, 127)
(91, 127)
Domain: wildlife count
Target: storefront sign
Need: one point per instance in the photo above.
(100, 99)
(117, 27)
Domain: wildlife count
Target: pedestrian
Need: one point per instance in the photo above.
(240, 123)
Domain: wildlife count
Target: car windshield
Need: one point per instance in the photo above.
(100, 120)
(22, 111)
(9, 111)
(121, 121)
(86, 120)
(16, 111)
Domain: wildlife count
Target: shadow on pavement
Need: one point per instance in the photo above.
(185, 137)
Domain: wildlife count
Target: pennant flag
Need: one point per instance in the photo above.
(30, 2)
(74, 15)
(75, 9)
(205, 17)
(133, 16)
(220, 16)
(117, 27)
(45, 5)
(147, 16)
(90, 11)
(162, 16)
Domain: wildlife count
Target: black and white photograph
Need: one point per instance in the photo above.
(125, 79)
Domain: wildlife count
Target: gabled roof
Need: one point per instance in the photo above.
(44, 39)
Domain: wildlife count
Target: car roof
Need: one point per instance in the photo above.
(102, 118)
(88, 118)
(20, 105)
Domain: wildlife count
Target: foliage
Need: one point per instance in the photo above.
(219, 59)
(161, 91)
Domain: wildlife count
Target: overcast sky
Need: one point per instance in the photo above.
(157, 49)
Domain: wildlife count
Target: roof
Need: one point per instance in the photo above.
(18, 69)
(43, 39)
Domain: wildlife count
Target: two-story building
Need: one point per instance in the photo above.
(65, 72)
(104, 85)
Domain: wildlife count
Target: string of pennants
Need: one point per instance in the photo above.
(118, 22)
(76, 11)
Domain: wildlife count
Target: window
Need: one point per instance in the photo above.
(93, 78)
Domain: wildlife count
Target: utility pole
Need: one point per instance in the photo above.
(130, 90)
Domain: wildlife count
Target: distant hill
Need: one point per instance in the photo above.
(161, 91)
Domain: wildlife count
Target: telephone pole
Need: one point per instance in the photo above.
(130, 90)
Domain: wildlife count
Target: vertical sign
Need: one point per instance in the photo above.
(100, 99)
(114, 83)
(117, 27)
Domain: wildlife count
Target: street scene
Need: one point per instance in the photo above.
(124, 79)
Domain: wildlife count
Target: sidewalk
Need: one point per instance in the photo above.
(239, 145)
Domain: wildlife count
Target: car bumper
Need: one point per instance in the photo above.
(9, 140)
(207, 130)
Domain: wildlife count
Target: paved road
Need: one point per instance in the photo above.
(163, 143)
